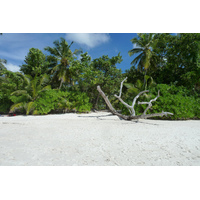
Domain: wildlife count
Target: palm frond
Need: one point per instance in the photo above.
(133, 90)
(19, 92)
(139, 84)
(137, 59)
(48, 87)
(17, 106)
(36, 112)
(44, 80)
(29, 107)
(77, 51)
(135, 50)
(128, 85)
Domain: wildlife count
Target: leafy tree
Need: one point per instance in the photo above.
(25, 99)
(181, 55)
(36, 63)
(9, 82)
(186, 54)
(101, 71)
(64, 57)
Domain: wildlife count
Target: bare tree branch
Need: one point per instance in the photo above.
(135, 99)
(130, 108)
(149, 103)
(120, 92)
(106, 99)
(131, 117)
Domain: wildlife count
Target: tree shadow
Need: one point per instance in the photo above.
(99, 117)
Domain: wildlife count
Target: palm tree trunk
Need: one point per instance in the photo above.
(61, 82)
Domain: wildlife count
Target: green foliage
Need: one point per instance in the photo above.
(62, 101)
(24, 100)
(62, 54)
(48, 101)
(9, 82)
(178, 100)
(36, 63)
(146, 57)
(181, 54)
(101, 71)
(2, 62)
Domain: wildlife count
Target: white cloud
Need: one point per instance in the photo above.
(89, 39)
(11, 67)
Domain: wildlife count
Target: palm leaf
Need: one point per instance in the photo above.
(17, 106)
(18, 92)
(29, 107)
(137, 59)
(48, 87)
(134, 51)
(35, 112)
(128, 85)
(44, 80)
(139, 84)
(133, 90)
(77, 51)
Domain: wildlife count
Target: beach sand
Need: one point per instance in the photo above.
(97, 139)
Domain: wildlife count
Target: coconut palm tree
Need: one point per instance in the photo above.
(24, 99)
(145, 45)
(64, 57)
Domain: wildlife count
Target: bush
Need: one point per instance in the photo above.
(59, 101)
(183, 103)
(5, 103)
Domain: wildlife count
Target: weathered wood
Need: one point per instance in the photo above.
(149, 103)
(126, 117)
(130, 108)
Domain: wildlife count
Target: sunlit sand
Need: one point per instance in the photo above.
(97, 139)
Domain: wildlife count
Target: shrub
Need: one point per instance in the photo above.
(183, 103)
(59, 101)
(178, 100)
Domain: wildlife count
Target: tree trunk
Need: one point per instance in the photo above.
(61, 82)
(97, 100)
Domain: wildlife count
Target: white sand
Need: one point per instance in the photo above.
(97, 139)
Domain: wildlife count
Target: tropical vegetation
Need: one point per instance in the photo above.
(56, 81)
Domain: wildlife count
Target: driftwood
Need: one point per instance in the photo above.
(131, 107)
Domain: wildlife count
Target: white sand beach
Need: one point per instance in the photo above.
(97, 139)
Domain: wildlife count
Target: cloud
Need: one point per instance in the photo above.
(91, 40)
(11, 67)
(14, 54)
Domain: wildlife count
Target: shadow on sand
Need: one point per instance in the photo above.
(99, 117)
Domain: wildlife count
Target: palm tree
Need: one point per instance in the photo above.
(25, 98)
(145, 45)
(2, 62)
(64, 57)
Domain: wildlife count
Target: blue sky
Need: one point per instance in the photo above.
(15, 46)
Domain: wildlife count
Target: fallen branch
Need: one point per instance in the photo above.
(149, 103)
(131, 108)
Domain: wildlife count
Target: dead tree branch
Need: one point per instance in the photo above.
(131, 108)
(149, 103)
